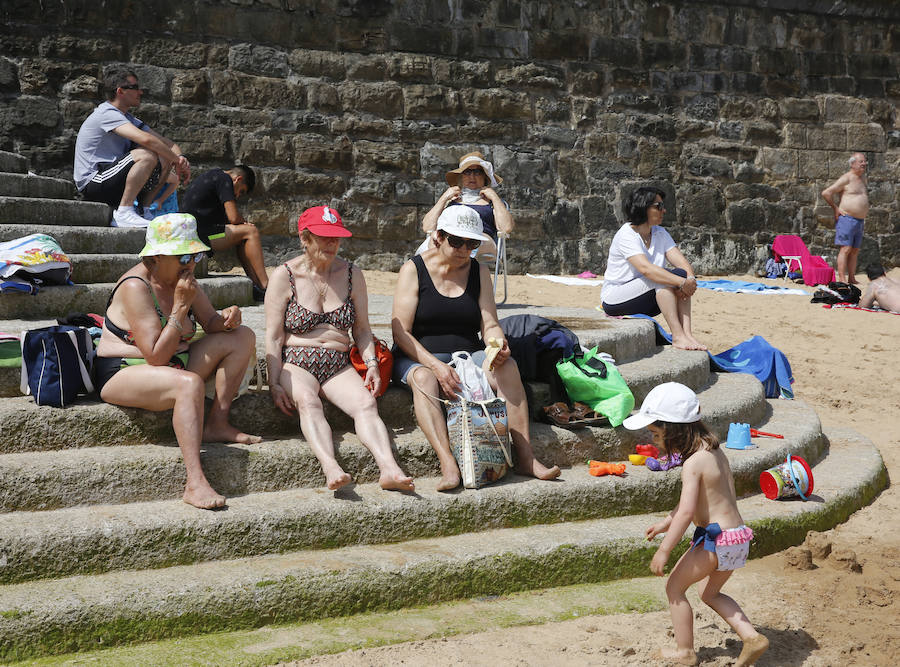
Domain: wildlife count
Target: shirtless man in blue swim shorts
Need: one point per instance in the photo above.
(849, 215)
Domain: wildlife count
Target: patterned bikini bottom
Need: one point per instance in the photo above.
(322, 363)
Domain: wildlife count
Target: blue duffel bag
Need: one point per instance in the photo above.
(56, 364)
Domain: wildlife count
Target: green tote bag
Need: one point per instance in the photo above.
(597, 383)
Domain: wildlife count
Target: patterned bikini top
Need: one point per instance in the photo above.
(299, 320)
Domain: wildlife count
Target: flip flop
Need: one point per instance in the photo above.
(558, 414)
(584, 416)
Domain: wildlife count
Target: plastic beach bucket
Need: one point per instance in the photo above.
(790, 479)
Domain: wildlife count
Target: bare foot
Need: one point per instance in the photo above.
(396, 482)
(677, 656)
(698, 345)
(450, 477)
(448, 482)
(682, 343)
(202, 496)
(753, 649)
(228, 433)
(334, 482)
(538, 469)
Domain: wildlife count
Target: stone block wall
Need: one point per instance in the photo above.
(743, 113)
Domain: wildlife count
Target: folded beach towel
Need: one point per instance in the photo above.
(746, 287)
(567, 280)
(757, 357)
(10, 353)
(754, 356)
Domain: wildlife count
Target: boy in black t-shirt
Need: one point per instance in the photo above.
(211, 199)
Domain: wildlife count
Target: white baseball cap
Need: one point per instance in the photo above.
(668, 402)
(460, 220)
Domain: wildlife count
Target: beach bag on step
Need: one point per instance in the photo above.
(596, 382)
(479, 436)
(56, 363)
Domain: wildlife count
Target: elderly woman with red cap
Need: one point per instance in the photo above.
(443, 300)
(472, 184)
(150, 356)
(312, 305)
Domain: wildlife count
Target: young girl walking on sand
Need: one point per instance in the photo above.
(721, 541)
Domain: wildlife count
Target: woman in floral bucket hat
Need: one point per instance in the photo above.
(149, 357)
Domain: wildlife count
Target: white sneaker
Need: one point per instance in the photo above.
(128, 218)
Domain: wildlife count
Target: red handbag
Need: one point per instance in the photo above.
(385, 363)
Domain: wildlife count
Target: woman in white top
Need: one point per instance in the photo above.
(636, 281)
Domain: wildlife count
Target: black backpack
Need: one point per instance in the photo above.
(837, 292)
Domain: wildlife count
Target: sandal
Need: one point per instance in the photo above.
(587, 417)
(558, 414)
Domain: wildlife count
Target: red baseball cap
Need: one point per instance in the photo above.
(322, 221)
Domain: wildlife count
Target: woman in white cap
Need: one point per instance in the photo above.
(443, 300)
(721, 541)
(147, 356)
(313, 303)
(473, 184)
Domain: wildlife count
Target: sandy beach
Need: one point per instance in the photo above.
(842, 612)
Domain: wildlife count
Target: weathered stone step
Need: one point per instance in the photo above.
(108, 268)
(624, 339)
(59, 300)
(30, 185)
(100, 538)
(123, 474)
(89, 239)
(76, 613)
(36, 211)
(25, 426)
(13, 163)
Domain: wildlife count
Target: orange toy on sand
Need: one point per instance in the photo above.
(601, 468)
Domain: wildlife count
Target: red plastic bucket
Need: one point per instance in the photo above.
(790, 479)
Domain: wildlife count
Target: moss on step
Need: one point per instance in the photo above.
(374, 589)
(272, 644)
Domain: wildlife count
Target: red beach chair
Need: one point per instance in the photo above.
(791, 249)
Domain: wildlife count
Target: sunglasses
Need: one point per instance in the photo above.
(457, 242)
(131, 86)
(658, 205)
(473, 171)
(184, 260)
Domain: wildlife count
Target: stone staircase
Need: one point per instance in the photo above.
(31, 204)
(97, 549)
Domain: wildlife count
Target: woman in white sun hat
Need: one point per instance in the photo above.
(150, 357)
(473, 184)
(443, 300)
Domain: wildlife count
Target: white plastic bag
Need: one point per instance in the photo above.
(475, 385)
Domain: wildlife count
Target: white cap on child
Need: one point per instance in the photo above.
(668, 402)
